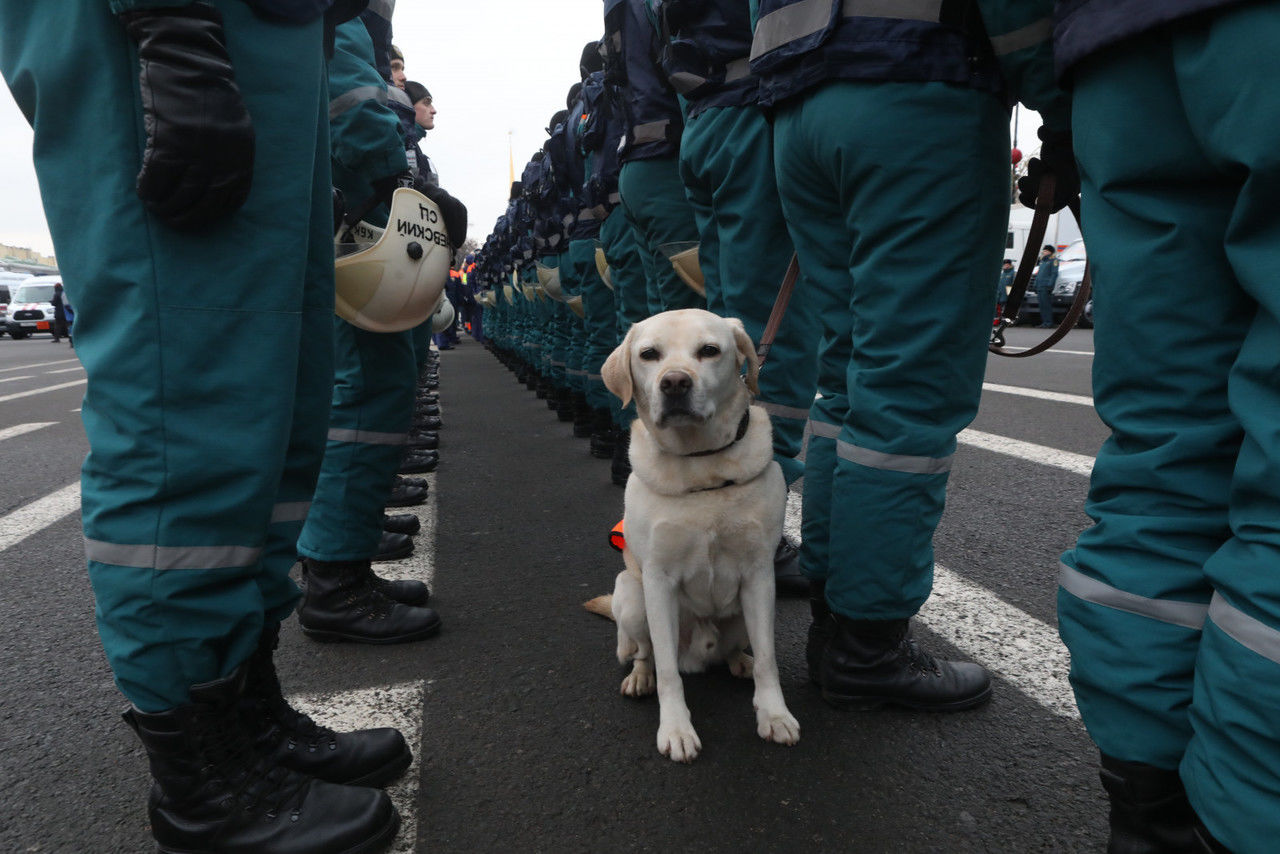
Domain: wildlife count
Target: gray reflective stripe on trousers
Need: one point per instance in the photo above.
(1245, 630)
(823, 430)
(1189, 615)
(650, 132)
(892, 462)
(792, 413)
(556, 364)
(575, 373)
(807, 17)
(1029, 36)
(290, 511)
(355, 97)
(171, 557)
(366, 437)
(595, 378)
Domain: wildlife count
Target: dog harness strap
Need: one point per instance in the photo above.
(742, 431)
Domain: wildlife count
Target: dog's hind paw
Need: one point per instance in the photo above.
(742, 665)
(781, 727)
(640, 681)
(679, 742)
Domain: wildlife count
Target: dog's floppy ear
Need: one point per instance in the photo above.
(616, 371)
(747, 353)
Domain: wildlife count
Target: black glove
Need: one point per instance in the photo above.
(198, 164)
(455, 215)
(385, 188)
(1058, 157)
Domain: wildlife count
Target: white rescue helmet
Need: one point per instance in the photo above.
(389, 280)
(549, 278)
(442, 318)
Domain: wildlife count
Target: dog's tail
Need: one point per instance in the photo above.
(602, 605)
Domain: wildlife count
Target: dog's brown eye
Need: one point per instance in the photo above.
(709, 351)
(649, 354)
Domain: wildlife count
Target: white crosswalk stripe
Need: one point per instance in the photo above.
(44, 390)
(1042, 454)
(65, 370)
(1055, 396)
(39, 514)
(36, 365)
(23, 429)
(16, 379)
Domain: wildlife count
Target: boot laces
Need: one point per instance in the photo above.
(279, 717)
(918, 660)
(232, 755)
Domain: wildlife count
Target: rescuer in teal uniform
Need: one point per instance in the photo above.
(1170, 603)
(205, 421)
(649, 182)
(373, 394)
(891, 146)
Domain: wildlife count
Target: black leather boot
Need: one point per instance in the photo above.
(368, 757)
(419, 462)
(620, 470)
(405, 495)
(426, 409)
(427, 422)
(401, 523)
(603, 434)
(581, 415)
(419, 482)
(422, 440)
(821, 629)
(787, 578)
(342, 603)
(871, 663)
(214, 791)
(392, 546)
(1150, 813)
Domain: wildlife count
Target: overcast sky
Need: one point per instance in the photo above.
(497, 70)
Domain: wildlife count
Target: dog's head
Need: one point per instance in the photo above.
(682, 367)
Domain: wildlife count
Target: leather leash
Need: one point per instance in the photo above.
(1039, 223)
(779, 309)
(1044, 200)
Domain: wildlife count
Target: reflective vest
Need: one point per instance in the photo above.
(705, 52)
(800, 44)
(651, 110)
(1084, 26)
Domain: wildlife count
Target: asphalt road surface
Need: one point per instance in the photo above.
(522, 740)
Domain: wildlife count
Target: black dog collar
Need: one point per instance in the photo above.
(742, 431)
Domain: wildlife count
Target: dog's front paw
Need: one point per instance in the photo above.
(640, 681)
(780, 726)
(679, 742)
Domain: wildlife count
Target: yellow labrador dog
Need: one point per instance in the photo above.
(704, 512)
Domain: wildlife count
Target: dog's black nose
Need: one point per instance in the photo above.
(675, 383)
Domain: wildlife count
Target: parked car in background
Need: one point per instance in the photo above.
(31, 309)
(8, 281)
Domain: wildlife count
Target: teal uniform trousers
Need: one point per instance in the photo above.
(1170, 603)
(208, 354)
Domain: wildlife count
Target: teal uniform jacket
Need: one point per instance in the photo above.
(208, 354)
(375, 372)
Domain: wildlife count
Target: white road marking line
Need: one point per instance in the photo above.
(1056, 396)
(1006, 640)
(21, 429)
(41, 390)
(77, 409)
(36, 365)
(38, 515)
(1042, 454)
(15, 379)
(1053, 350)
(399, 706)
(66, 370)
